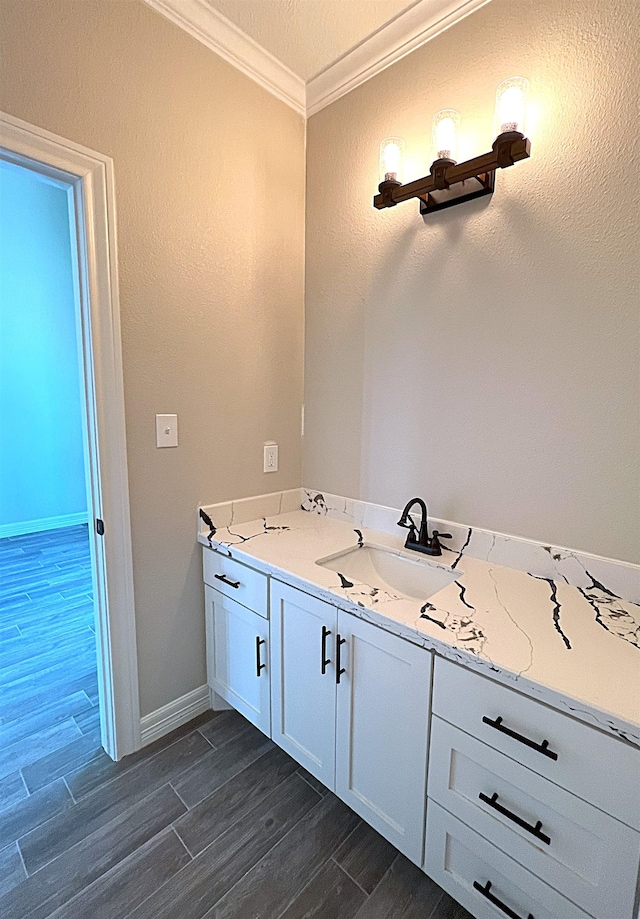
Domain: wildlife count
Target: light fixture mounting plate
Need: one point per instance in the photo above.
(467, 190)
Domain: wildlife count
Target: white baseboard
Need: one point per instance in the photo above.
(171, 716)
(45, 523)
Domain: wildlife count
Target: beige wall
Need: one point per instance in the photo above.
(488, 358)
(210, 195)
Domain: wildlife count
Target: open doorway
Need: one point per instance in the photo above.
(87, 532)
(48, 678)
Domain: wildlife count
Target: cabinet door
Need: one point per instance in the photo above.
(382, 731)
(238, 657)
(303, 697)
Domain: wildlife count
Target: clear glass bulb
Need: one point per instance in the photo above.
(511, 105)
(444, 134)
(391, 159)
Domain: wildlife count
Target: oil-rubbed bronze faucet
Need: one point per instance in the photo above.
(421, 542)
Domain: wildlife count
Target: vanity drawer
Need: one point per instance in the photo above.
(578, 757)
(579, 850)
(484, 880)
(235, 580)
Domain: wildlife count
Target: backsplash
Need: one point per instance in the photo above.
(244, 510)
(556, 563)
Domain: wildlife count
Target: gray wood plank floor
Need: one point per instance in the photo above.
(213, 820)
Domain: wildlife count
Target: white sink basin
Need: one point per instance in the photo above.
(389, 570)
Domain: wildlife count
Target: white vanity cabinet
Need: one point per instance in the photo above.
(350, 702)
(238, 667)
(513, 807)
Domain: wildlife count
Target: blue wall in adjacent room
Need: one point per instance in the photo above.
(41, 439)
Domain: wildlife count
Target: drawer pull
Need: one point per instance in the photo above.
(259, 666)
(339, 670)
(534, 830)
(540, 747)
(323, 654)
(486, 892)
(225, 580)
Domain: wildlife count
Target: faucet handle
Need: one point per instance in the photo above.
(435, 547)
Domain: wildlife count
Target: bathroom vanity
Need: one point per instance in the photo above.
(490, 730)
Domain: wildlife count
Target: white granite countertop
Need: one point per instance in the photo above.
(575, 648)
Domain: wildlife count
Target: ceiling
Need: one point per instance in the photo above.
(307, 36)
(308, 53)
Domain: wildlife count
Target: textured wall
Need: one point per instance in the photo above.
(41, 450)
(210, 195)
(488, 358)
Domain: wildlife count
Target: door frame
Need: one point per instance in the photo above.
(89, 179)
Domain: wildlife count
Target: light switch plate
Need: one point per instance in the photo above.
(166, 430)
(270, 458)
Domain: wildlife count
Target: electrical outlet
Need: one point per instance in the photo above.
(270, 458)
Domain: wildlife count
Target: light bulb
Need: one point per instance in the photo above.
(391, 157)
(511, 105)
(444, 133)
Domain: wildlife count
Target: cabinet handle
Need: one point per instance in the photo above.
(339, 670)
(225, 580)
(323, 654)
(486, 892)
(539, 747)
(534, 830)
(259, 666)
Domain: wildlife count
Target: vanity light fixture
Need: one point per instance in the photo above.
(449, 182)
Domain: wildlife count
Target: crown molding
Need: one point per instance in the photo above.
(219, 34)
(404, 34)
(393, 41)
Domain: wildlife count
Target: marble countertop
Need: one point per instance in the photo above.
(575, 648)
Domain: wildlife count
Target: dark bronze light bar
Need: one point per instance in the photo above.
(450, 183)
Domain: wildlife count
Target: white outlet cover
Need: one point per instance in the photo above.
(270, 458)
(166, 430)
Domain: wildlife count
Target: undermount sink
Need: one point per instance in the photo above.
(390, 570)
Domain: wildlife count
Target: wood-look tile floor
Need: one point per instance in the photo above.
(213, 820)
